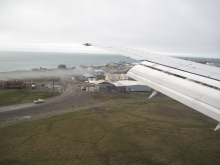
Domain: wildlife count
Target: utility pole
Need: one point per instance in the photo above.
(53, 87)
(88, 88)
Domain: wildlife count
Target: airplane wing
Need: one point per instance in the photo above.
(193, 84)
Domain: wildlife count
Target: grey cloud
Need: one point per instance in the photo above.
(162, 26)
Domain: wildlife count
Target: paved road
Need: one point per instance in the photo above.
(72, 95)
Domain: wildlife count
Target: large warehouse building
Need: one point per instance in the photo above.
(131, 86)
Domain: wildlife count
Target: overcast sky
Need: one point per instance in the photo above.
(173, 27)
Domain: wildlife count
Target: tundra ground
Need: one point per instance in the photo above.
(140, 133)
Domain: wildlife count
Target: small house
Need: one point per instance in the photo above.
(62, 66)
(89, 77)
(112, 64)
(43, 68)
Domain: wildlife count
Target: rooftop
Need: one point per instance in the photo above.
(128, 82)
(98, 82)
(88, 75)
(4, 79)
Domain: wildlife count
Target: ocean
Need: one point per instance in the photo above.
(21, 61)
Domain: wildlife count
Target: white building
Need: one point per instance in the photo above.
(99, 72)
(43, 68)
(89, 77)
(115, 77)
(131, 86)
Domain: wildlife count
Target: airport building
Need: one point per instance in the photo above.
(131, 86)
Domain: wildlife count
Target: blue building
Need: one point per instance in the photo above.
(62, 66)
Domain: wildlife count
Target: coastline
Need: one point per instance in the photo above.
(24, 61)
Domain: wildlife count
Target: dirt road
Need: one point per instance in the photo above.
(72, 96)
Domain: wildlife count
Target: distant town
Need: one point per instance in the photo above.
(108, 78)
(212, 62)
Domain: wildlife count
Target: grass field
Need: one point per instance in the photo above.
(142, 133)
(126, 95)
(17, 96)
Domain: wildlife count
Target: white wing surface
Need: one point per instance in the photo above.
(193, 84)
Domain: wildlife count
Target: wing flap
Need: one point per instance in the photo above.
(196, 91)
(215, 76)
(194, 77)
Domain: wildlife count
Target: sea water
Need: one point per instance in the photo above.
(19, 61)
(16, 61)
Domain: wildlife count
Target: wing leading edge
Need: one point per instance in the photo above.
(193, 84)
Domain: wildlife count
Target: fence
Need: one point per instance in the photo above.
(100, 104)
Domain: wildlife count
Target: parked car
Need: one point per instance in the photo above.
(39, 101)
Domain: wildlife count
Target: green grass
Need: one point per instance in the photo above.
(157, 134)
(126, 95)
(115, 96)
(17, 96)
